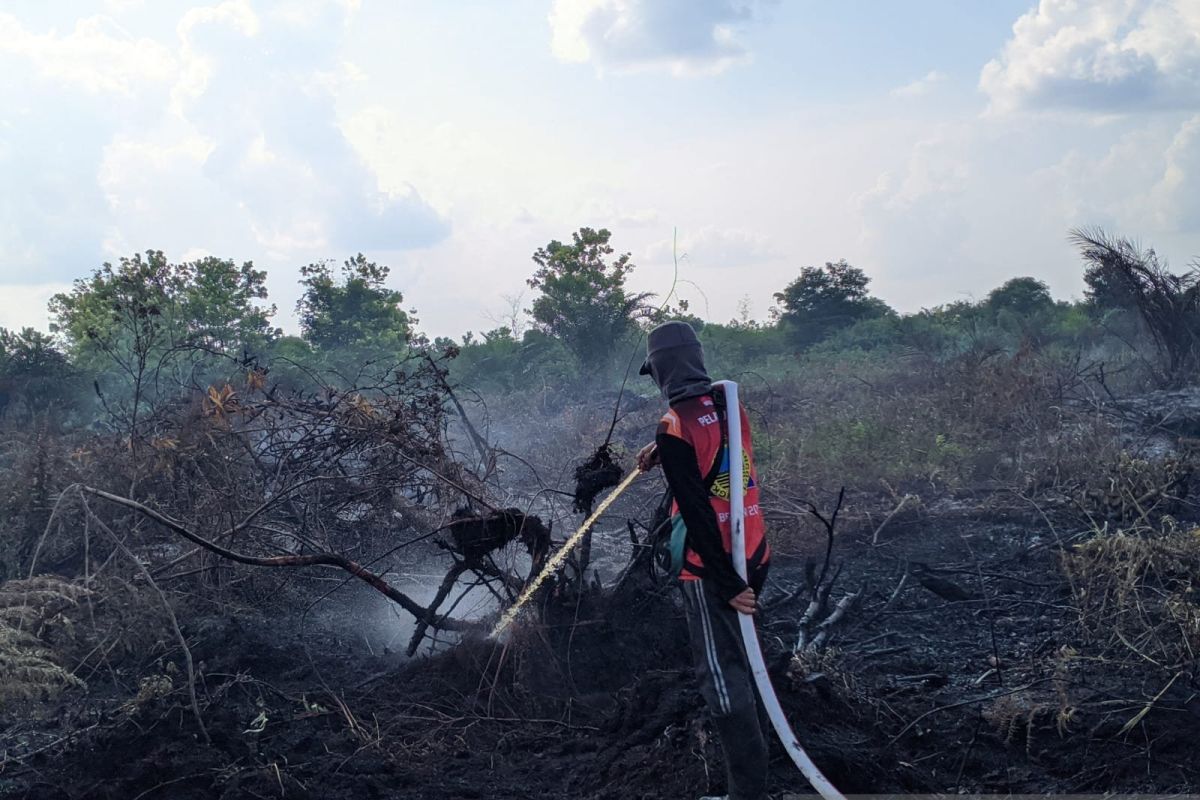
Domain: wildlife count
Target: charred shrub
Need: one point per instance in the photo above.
(594, 476)
(473, 537)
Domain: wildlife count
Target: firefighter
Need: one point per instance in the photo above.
(692, 449)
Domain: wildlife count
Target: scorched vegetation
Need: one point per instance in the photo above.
(239, 563)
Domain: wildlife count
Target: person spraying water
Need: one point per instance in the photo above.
(719, 551)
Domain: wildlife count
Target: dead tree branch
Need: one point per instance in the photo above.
(818, 620)
(313, 559)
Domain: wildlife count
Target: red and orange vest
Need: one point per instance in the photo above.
(700, 423)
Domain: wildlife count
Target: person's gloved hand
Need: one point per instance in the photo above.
(746, 602)
(647, 457)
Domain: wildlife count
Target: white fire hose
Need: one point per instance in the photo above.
(737, 518)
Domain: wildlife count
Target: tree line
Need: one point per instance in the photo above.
(132, 328)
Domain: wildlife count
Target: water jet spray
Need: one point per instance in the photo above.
(555, 561)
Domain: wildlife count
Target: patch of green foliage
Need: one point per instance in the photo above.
(931, 395)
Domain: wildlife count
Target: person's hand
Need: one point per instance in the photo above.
(746, 602)
(647, 457)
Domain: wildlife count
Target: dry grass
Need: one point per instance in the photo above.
(1129, 489)
(826, 665)
(29, 668)
(1136, 592)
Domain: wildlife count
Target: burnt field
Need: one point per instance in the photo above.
(351, 354)
(298, 602)
(969, 673)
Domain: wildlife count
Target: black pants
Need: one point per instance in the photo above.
(727, 686)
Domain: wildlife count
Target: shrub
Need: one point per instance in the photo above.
(1135, 592)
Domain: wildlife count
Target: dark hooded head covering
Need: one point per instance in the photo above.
(675, 360)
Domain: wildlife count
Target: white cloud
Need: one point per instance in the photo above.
(98, 55)
(686, 37)
(289, 130)
(639, 218)
(711, 247)
(920, 87)
(53, 218)
(264, 98)
(917, 219)
(25, 306)
(1176, 198)
(599, 213)
(953, 220)
(1106, 55)
(221, 131)
(938, 166)
(1143, 183)
(513, 171)
(199, 65)
(122, 6)
(155, 188)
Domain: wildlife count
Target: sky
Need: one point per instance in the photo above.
(943, 146)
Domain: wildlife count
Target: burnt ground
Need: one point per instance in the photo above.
(968, 675)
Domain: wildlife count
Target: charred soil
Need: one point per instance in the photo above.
(965, 668)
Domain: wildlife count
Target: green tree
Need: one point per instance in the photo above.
(34, 374)
(825, 299)
(220, 305)
(1023, 314)
(145, 326)
(123, 308)
(354, 311)
(150, 305)
(1025, 296)
(732, 349)
(1110, 286)
(583, 301)
(499, 361)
